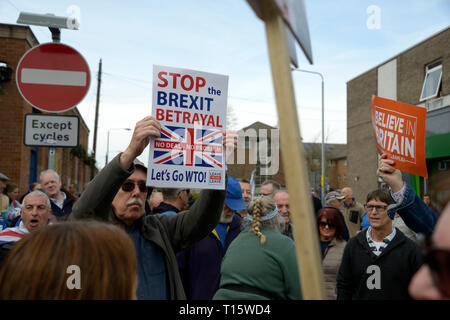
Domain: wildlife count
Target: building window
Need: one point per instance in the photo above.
(432, 81)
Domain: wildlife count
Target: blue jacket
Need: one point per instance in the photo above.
(62, 214)
(415, 213)
(199, 265)
(365, 221)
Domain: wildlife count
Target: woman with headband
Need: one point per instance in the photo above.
(261, 262)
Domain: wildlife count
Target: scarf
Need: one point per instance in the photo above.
(378, 247)
(13, 234)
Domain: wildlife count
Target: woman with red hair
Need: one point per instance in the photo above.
(332, 246)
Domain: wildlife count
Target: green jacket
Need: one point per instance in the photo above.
(271, 267)
(172, 233)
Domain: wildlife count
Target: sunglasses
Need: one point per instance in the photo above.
(324, 224)
(438, 260)
(128, 186)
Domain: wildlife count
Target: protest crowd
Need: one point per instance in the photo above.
(126, 240)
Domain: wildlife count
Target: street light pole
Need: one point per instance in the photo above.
(322, 175)
(107, 142)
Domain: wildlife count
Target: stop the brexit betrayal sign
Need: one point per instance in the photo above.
(399, 130)
(191, 107)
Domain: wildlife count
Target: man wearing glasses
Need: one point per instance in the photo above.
(118, 194)
(380, 261)
(414, 212)
(432, 280)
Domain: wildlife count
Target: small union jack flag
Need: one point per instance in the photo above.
(188, 147)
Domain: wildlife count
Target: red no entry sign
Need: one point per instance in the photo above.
(53, 77)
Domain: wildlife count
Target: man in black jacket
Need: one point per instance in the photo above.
(61, 202)
(174, 201)
(380, 261)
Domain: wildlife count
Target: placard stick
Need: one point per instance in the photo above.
(305, 227)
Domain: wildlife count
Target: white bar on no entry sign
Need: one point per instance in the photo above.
(54, 77)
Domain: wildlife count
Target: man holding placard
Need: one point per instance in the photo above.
(414, 212)
(187, 138)
(399, 131)
(118, 194)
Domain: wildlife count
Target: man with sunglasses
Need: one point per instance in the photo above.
(380, 261)
(118, 194)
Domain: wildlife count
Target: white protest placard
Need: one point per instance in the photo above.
(191, 107)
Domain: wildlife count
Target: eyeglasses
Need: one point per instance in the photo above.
(324, 224)
(438, 260)
(128, 186)
(379, 209)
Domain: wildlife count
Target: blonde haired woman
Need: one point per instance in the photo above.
(261, 262)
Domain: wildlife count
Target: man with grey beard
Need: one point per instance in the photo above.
(200, 265)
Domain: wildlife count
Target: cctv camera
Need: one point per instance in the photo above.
(48, 20)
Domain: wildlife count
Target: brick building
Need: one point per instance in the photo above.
(257, 149)
(20, 163)
(336, 169)
(335, 165)
(251, 156)
(419, 76)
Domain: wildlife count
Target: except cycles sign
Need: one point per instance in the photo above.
(50, 131)
(53, 77)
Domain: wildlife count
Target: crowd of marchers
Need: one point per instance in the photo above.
(120, 239)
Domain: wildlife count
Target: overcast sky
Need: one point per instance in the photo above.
(226, 37)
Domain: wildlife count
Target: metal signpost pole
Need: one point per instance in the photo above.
(107, 142)
(56, 37)
(322, 173)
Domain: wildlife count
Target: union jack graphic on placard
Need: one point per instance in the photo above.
(190, 147)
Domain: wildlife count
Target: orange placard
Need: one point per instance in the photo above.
(399, 130)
